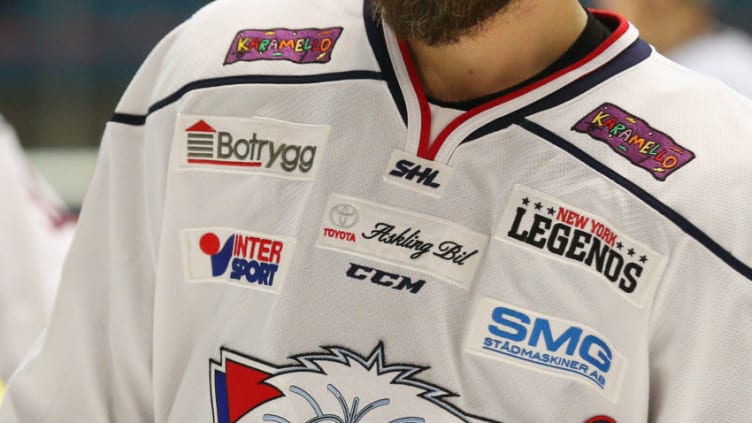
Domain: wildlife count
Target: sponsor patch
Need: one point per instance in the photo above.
(547, 344)
(237, 257)
(636, 140)
(417, 174)
(403, 238)
(547, 226)
(312, 45)
(251, 145)
(384, 279)
(334, 385)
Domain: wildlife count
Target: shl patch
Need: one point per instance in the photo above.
(312, 45)
(417, 174)
(636, 140)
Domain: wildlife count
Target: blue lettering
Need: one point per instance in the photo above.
(516, 326)
(571, 337)
(253, 271)
(603, 353)
(520, 332)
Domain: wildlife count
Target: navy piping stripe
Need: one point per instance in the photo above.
(375, 32)
(679, 220)
(124, 118)
(631, 56)
(130, 119)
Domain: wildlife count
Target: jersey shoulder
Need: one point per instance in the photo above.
(239, 38)
(680, 141)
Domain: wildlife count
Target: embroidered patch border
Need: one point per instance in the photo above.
(633, 138)
(547, 344)
(303, 46)
(402, 238)
(236, 257)
(254, 145)
(548, 226)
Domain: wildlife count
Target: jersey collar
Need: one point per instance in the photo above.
(620, 51)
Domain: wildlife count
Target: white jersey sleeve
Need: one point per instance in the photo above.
(36, 232)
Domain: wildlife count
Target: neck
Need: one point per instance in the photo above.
(515, 45)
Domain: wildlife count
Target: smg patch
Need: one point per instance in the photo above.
(312, 45)
(548, 344)
(636, 140)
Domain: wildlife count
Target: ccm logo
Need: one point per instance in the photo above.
(425, 176)
(384, 279)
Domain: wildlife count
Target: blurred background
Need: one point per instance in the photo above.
(63, 67)
(64, 64)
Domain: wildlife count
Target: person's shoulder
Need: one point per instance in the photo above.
(247, 41)
(701, 112)
(680, 141)
(290, 37)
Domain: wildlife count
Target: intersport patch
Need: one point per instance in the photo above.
(303, 46)
(237, 257)
(252, 145)
(535, 341)
(403, 238)
(633, 138)
(547, 226)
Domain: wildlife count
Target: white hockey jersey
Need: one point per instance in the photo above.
(272, 235)
(36, 233)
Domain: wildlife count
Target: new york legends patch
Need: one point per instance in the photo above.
(548, 226)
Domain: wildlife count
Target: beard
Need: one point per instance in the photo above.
(436, 22)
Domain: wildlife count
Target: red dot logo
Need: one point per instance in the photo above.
(209, 244)
(601, 419)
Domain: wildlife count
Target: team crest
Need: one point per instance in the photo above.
(336, 385)
(636, 140)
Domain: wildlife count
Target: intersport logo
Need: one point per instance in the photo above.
(251, 145)
(237, 257)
